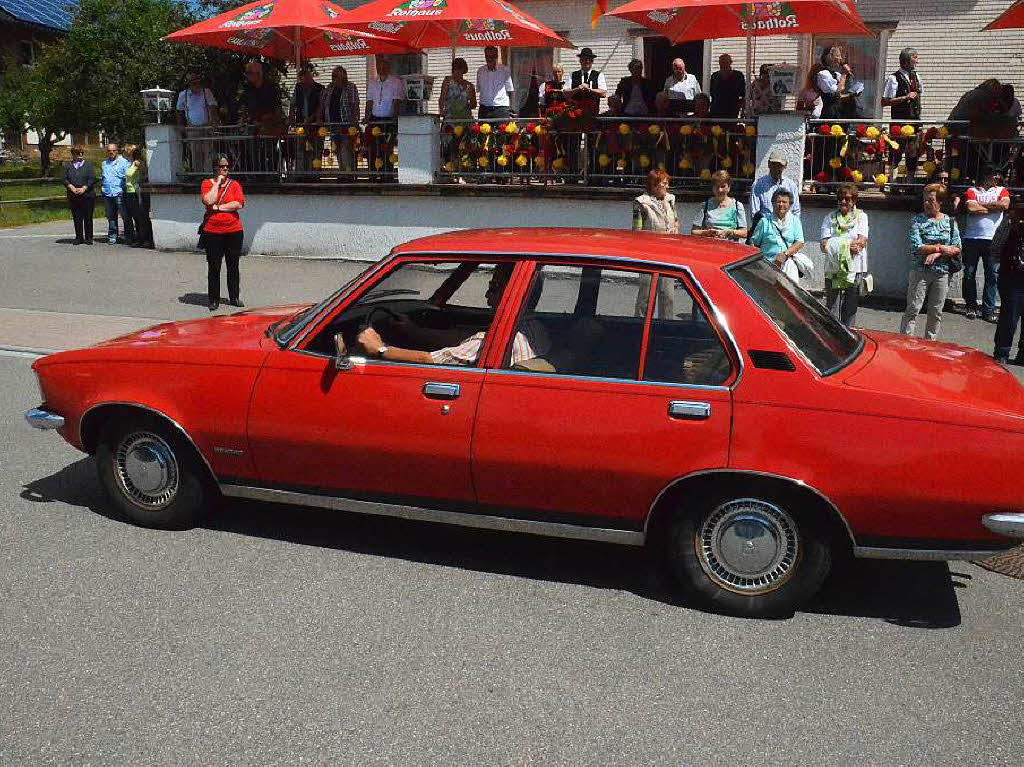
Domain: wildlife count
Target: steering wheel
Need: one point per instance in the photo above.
(383, 310)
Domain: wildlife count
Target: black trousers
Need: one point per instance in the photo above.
(228, 247)
(137, 210)
(82, 207)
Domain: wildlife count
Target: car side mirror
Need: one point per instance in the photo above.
(341, 360)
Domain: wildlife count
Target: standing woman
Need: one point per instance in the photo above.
(844, 241)
(222, 232)
(136, 201)
(79, 180)
(721, 216)
(458, 95)
(655, 211)
(780, 236)
(934, 241)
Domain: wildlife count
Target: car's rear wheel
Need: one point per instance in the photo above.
(152, 474)
(751, 556)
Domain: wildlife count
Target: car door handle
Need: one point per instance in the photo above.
(441, 391)
(689, 411)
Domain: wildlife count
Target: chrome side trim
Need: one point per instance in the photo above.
(41, 418)
(924, 555)
(1005, 523)
(418, 513)
(589, 379)
(140, 406)
(796, 482)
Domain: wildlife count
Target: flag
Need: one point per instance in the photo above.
(599, 9)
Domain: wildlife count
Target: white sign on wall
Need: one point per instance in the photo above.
(783, 79)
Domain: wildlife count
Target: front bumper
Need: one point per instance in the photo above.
(40, 418)
(1005, 523)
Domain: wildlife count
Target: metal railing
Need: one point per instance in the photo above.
(312, 152)
(597, 151)
(900, 158)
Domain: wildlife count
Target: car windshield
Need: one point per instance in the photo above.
(283, 331)
(824, 341)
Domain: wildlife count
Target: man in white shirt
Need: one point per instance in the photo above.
(676, 98)
(383, 94)
(985, 205)
(197, 111)
(493, 86)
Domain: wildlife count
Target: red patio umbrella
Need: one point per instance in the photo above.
(1011, 18)
(452, 23)
(292, 30)
(710, 19)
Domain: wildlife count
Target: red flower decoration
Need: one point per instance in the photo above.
(529, 127)
(824, 130)
(821, 176)
(894, 130)
(845, 171)
(871, 149)
(862, 130)
(475, 128)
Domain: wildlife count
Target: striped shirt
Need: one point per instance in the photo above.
(531, 341)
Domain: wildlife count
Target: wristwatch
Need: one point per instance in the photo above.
(382, 351)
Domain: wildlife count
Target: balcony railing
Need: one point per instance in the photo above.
(900, 158)
(601, 151)
(309, 153)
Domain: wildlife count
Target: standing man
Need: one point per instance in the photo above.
(261, 107)
(383, 94)
(587, 85)
(112, 172)
(636, 93)
(305, 112)
(728, 89)
(493, 87)
(340, 108)
(79, 180)
(764, 189)
(197, 113)
(985, 205)
(902, 94)
(676, 99)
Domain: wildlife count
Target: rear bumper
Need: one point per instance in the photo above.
(1005, 523)
(40, 418)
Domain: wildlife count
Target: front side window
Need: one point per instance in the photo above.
(821, 338)
(587, 319)
(426, 313)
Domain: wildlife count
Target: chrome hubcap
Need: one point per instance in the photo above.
(147, 470)
(748, 546)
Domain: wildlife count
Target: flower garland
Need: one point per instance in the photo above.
(867, 146)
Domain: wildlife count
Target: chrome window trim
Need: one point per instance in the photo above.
(421, 514)
(751, 472)
(924, 555)
(720, 318)
(568, 377)
(139, 405)
(364, 361)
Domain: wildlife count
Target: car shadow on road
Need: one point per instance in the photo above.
(911, 594)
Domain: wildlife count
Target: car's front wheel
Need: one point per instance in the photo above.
(151, 473)
(752, 556)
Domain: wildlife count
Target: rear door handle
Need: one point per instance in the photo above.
(440, 390)
(689, 411)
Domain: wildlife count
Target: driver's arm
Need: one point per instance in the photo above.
(371, 341)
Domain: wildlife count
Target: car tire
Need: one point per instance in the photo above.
(755, 556)
(152, 474)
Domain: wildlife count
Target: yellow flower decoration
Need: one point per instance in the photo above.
(317, 164)
(559, 163)
(623, 129)
(836, 130)
(485, 128)
(716, 130)
(322, 133)
(644, 161)
(620, 165)
(539, 161)
(835, 162)
(393, 158)
(521, 161)
(954, 174)
(458, 130)
(856, 176)
(685, 130)
(604, 160)
(502, 160)
(943, 131)
(726, 162)
(482, 161)
(654, 130)
(466, 161)
(511, 128)
(881, 179)
(748, 168)
(907, 130)
(353, 130)
(449, 166)
(750, 130)
(685, 163)
(929, 168)
(300, 131)
(378, 163)
(705, 175)
(376, 131)
(872, 132)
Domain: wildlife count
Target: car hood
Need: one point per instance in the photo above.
(933, 371)
(244, 329)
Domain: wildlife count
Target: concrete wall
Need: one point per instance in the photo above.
(366, 227)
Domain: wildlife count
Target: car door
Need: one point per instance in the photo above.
(380, 429)
(617, 408)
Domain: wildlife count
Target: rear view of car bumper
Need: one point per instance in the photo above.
(1004, 523)
(40, 418)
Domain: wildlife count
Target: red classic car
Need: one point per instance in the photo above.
(673, 392)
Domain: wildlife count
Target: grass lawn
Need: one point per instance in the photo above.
(20, 214)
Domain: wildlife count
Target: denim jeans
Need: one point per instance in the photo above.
(115, 206)
(1011, 307)
(980, 250)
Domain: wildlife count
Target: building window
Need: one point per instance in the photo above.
(28, 52)
(866, 56)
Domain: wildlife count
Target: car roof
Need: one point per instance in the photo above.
(615, 243)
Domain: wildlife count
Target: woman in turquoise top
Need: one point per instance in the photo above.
(780, 235)
(721, 216)
(934, 244)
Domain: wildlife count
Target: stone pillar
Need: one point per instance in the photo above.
(163, 153)
(419, 148)
(783, 133)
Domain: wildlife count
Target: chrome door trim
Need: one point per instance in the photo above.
(925, 555)
(689, 411)
(421, 514)
(602, 379)
(436, 390)
(1010, 524)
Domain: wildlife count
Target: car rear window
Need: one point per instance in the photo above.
(821, 338)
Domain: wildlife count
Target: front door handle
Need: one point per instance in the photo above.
(440, 390)
(689, 411)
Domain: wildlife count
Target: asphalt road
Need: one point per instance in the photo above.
(280, 635)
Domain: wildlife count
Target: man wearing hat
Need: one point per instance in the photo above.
(587, 85)
(763, 189)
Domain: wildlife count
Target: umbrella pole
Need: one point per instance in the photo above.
(750, 68)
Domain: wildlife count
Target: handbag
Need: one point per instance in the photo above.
(201, 243)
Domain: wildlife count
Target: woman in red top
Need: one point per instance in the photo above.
(222, 232)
